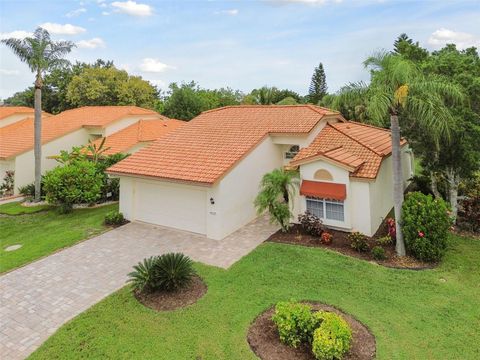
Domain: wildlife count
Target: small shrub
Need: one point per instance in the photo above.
(6, 188)
(295, 323)
(392, 230)
(469, 213)
(142, 277)
(332, 339)
(167, 272)
(379, 253)
(73, 183)
(173, 271)
(114, 218)
(29, 190)
(384, 240)
(311, 224)
(358, 242)
(326, 238)
(425, 226)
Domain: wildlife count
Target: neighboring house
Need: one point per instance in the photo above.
(61, 132)
(12, 114)
(137, 136)
(205, 176)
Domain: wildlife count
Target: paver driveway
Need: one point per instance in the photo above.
(40, 297)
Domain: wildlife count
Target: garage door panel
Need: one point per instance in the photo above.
(174, 206)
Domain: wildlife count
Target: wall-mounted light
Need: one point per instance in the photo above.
(212, 201)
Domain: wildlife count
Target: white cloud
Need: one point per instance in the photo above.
(91, 44)
(154, 66)
(132, 8)
(231, 12)
(59, 29)
(9, 72)
(17, 34)
(103, 5)
(77, 12)
(105, 13)
(444, 36)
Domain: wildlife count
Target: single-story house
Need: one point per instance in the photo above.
(138, 135)
(204, 177)
(61, 132)
(12, 114)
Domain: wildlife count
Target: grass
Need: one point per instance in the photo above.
(45, 231)
(431, 314)
(15, 208)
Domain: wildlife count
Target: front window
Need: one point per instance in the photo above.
(326, 208)
(290, 154)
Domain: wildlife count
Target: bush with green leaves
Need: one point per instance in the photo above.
(311, 224)
(378, 253)
(425, 224)
(114, 218)
(333, 337)
(29, 190)
(167, 272)
(384, 240)
(74, 183)
(358, 242)
(295, 322)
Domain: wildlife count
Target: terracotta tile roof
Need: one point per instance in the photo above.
(141, 131)
(17, 138)
(216, 140)
(6, 111)
(356, 145)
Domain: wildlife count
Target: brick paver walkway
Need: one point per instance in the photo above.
(40, 297)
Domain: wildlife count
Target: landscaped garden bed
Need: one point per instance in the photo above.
(265, 342)
(341, 243)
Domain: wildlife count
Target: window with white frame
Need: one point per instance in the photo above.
(290, 154)
(326, 209)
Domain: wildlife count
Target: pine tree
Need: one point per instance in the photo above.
(318, 85)
(401, 40)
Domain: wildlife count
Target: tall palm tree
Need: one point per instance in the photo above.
(276, 190)
(41, 54)
(398, 88)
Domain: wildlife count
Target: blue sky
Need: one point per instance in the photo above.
(240, 44)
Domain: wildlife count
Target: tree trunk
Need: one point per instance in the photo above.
(397, 183)
(453, 183)
(38, 139)
(433, 180)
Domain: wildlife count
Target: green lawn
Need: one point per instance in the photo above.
(15, 208)
(44, 232)
(431, 314)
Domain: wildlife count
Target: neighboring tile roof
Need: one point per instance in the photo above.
(6, 111)
(141, 131)
(17, 138)
(213, 142)
(356, 145)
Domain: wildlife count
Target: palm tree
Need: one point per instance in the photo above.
(41, 54)
(276, 190)
(399, 88)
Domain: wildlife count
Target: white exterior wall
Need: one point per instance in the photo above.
(235, 193)
(25, 163)
(361, 205)
(125, 122)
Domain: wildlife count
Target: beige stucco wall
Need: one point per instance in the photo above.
(25, 163)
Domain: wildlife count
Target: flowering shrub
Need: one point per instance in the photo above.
(392, 231)
(326, 238)
(332, 339)
(311, 224)
(425, 226)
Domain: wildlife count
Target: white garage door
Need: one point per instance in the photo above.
(173, 205)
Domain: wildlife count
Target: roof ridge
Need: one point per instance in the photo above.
(309, 106)
(369, 125)
(358, 141)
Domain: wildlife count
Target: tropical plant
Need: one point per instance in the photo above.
(114, 218)
(311, 224)
(142, 277)
(276, 190)
(378, 253)
(295, 322)
(173, 271)
(41, 54)
(358, 241)
(333, 337)
(326, 238)
(399, 88)
(384, 240)
(426, 223)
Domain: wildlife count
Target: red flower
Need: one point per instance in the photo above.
(421, 234)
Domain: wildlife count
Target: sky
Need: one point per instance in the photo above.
(238, 44)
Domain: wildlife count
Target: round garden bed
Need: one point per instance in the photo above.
(171, 300)
(265, 342)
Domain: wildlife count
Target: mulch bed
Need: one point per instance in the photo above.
(171, 300)
(265, 342)
(340, 243)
